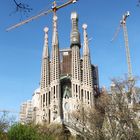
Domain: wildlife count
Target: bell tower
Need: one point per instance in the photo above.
(75, 65)
(87, 83)
(55, 75)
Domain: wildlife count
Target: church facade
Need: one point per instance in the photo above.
(67, 79)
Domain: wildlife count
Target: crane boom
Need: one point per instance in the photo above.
(28, 20)
(54, 9)
(116, 33)
(9, 111)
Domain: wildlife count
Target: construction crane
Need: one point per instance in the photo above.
(123, 25)
(131, 80)
(53, 9)
(8, 111)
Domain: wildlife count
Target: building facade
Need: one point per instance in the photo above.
(26, 112)
(68, 78)
(36, 115)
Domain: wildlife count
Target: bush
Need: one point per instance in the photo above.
(23, 132)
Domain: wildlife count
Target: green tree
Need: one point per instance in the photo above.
(23, 132)
(54, 132)
(5, 122)
(37, 132)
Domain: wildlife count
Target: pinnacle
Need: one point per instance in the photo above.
(74, 15)
(46, 29)
(84, 26)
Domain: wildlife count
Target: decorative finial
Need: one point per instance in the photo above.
(84, 26)
(46, 29)
(74, 15)
(85, 48)
(55, 34)
(45, 51)
(75, 36)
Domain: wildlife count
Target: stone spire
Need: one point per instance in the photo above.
(46, 50)
(75, 36)
(45, 74)
(75, 45)
(55, 70)
(87, 72)
(76, 61)
(85, 45)
(55, 74)
(55, 34)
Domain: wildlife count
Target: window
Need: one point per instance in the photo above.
(76, 89)
(49, 97)
(82, 93)
(54, 91)
(46, 99)
(49, 115)
(88, 95)
(43, 98)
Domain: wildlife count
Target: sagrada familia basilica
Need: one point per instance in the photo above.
(67, 79)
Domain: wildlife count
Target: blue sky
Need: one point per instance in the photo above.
(21, 48)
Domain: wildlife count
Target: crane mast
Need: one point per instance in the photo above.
(127, 52)
(8, 111)
(131, 80)
(130, 76)
(123, 24)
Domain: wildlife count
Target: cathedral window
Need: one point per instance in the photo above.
(46, 99)
(88, 95)
(54, 91)
(49, 98)
(41, 101)
(43, 97)
(49, 115)
(81, 93)
(73, 87)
